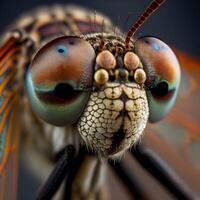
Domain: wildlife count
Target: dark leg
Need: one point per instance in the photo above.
(162, 172)
(124, 173)
(72, 174)
(58, 174)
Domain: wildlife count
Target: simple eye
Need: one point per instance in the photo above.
(59, 80)
(163, 75)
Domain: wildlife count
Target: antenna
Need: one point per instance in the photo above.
(154, 5)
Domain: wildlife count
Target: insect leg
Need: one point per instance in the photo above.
(89, 179)
(58, 174)
(162, 172)
(123, 171)
(72, 174)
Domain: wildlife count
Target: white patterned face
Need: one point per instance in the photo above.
(117, 111)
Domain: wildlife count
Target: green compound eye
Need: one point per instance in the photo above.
(59, 80)
(163, 75)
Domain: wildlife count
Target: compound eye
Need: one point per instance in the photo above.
(163, 75)
(59, 79)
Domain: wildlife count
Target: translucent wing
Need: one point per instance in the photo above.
(9, 126)
(176, 139)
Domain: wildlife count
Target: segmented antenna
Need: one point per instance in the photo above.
(154, 5)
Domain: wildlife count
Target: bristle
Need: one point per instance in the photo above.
(118, 22)
(154, 5)
(102, 42)
(116, 25)
(90, 22)
(95, 13)
(126, 21)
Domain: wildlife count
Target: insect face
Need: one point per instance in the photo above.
(106, 85)
(117, 111)
(132, 87)
(71, 83)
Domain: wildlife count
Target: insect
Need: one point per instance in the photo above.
(79, 84)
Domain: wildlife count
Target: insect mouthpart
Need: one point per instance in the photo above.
(114, 118)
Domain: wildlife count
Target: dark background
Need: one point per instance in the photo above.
(176, 23)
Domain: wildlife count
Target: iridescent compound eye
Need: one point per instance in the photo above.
(163, 75)
(59, 79)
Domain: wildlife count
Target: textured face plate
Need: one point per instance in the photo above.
(114, 118)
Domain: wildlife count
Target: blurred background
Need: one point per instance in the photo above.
(176, 23)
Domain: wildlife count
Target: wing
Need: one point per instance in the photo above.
(9, 126)
(176, 139)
